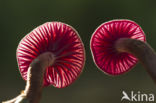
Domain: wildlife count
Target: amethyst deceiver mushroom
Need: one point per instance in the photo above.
(63, 42)
(51, 54)
(117, 46)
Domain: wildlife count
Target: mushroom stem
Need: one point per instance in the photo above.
(34, 84)
(142, 51)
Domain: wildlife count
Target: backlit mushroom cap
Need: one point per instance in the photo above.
(103, 40)
(64, 42)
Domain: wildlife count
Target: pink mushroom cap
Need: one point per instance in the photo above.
(64, 42)
(102, 44)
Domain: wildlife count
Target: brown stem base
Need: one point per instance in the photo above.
(35, 74)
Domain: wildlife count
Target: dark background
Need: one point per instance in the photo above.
(19, 17)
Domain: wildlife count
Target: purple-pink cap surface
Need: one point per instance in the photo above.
(66, 45)
(102, 44)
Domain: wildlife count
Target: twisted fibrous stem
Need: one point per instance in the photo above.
(34, 84)
(142, 51)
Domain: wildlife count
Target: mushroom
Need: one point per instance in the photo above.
(52, 54)
(117, 46)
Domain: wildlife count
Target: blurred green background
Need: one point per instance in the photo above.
(19, 17)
